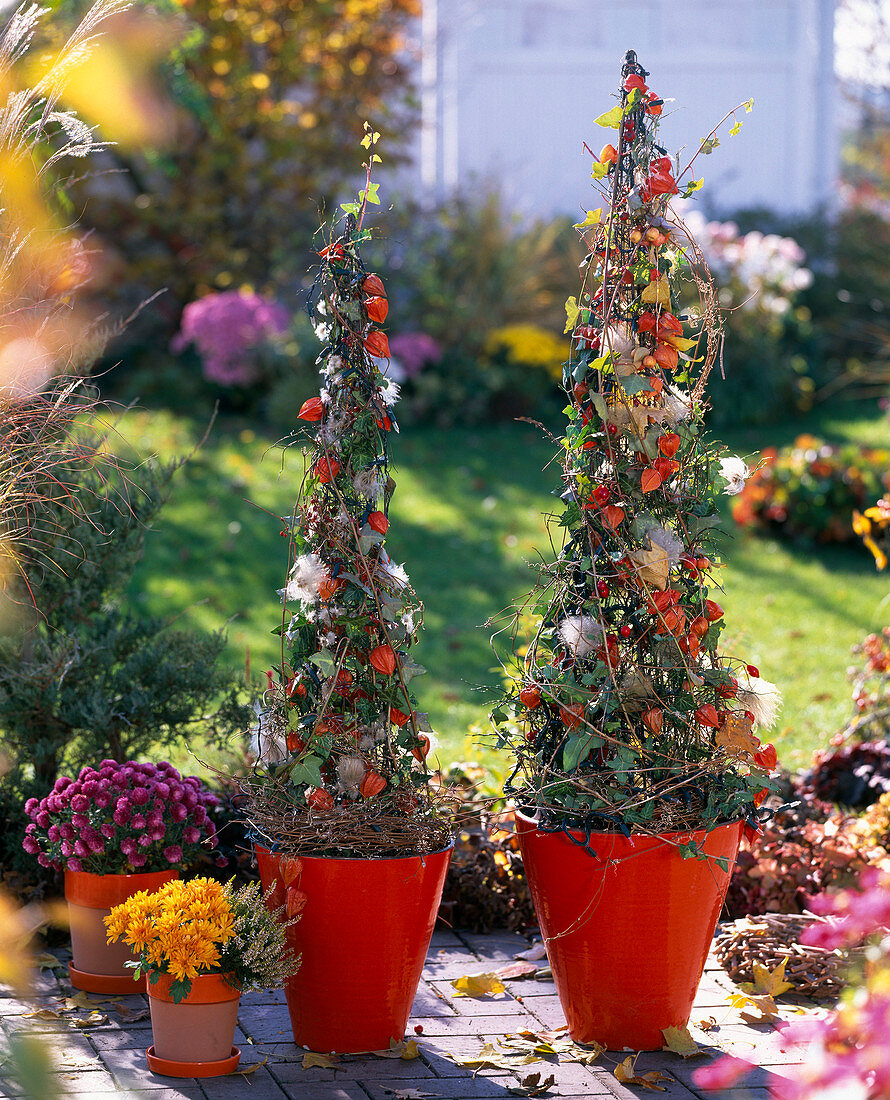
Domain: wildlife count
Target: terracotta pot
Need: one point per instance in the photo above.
(99, 966)
(193, 1037)
(628, 930)
(363, 937)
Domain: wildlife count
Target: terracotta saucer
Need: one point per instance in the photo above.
(105, 983)
(168, 1068)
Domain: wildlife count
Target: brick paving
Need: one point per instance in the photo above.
(109, 1058)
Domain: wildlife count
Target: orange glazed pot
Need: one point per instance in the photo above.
(99, 966)
(193, 1038)
(363, 936)
(628, 930)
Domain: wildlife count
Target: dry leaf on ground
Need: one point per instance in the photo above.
(533, 1085)
(770, 983)
(93, 1020)
(252, 1069)
(679, 1041)
(626, 1073)
(311, 1060)
(406, 1049)
(478, 985)
(537, 951)
(765, 1005)
(46, 961)
(516, 970)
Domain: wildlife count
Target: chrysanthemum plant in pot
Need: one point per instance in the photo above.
(348, 829)
(636, 762)
(201, 944)
(115, 830)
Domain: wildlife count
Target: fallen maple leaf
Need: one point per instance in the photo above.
(478, 985)
(707, 1025)
(768, 982)
(627, 1075)
(409, 1094)
(322, 1061)
(765, 1005)
(679, 1041)
(43, 1014)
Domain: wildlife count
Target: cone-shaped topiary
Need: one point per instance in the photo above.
(342, 749)
(624, 715)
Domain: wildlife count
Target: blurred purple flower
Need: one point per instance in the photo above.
(225, 328)
(414, 350)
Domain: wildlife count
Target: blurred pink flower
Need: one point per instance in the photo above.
(414, 350)
(226, 329)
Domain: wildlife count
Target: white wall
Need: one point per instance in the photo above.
(510, 89)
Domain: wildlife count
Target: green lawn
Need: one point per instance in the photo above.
(466, 519)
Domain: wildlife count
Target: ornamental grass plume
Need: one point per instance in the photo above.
(200, 927)
(341, 744)
(624, 714)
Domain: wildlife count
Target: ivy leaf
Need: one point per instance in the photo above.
(324, 662)
(307, 772)
(592, 218)
(574, 751)
(733, 130)
(599, 170)
(572, 312)
(749, 105)
(371, 194)
(692, 187)
(350, 208)
(633, 383)
(370, 138)
(410, 669)
(611, 119)
(709, 144)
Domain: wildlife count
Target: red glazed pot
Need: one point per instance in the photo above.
(628, 931)
(98, 966)
(363, 936)
(193, 1038)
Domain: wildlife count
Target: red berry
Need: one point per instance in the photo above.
(602, 589)
(601, 495)
(626, 630)
(418, 1029)
(752, 670)
(612, 429)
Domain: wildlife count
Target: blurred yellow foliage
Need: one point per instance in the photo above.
(271, 98)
